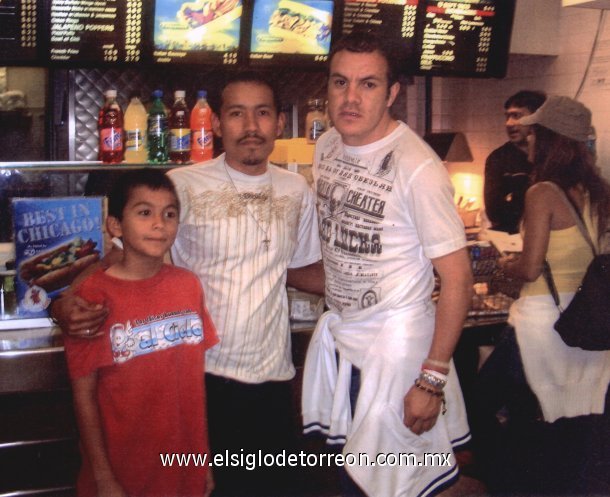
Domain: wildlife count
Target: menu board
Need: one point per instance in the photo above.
(468, 38)
(396, 20)
(201, 31)
(19, 28)
(96, 31)
(291, 31)
(464, 37)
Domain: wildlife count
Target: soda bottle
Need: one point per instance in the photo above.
(179, 130)
(315, 121)
(135, 131)
(157, 130)
(110, 126)
(202, 137)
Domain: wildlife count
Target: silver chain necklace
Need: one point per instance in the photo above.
(267, 239)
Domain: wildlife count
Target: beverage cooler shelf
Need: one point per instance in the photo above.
(38, 435)
(42, 470)
(38, 444)
(84, 166)
(29, 418)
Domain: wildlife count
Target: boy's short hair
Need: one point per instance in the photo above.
(529, 99)
(150, 178)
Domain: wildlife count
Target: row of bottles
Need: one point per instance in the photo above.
(156, 136)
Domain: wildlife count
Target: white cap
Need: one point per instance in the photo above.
(111, 93)
(179, 94)
(563, 115)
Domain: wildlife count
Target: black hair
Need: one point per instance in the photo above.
(530, 99)
(366, 41)
(125, 184)
(249, 76)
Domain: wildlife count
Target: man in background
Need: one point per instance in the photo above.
(507, 168)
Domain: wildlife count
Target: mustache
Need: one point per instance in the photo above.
(250, 135)
(349, 108)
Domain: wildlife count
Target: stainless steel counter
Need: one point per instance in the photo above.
(32, 360)
(38, 437)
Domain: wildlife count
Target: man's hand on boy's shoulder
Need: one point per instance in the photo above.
(77, 317)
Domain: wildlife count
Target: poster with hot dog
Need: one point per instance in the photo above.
(199, 25)
(55, 239)
(291, 26)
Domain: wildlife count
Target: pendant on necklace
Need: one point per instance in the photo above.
(266, 243)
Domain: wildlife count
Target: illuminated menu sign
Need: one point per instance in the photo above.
(96, 31)
(457, 37)
(19, 21)
(396, 19)
(199, 31)
(291, 31)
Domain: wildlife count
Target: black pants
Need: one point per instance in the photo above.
(245, 420)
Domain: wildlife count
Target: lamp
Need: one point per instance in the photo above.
(449, 146)
(469, 195)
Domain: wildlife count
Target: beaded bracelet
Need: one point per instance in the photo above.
(436, 374)
(434, 393)
(432, 380)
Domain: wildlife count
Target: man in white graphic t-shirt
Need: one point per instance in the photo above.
(247, 228)
(393, 223)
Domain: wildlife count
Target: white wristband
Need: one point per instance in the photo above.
(436, 374)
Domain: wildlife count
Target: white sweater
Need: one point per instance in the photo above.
(567, 381)
(388, 347)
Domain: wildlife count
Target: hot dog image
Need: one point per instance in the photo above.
(300, 21)
(202, 12)
(291, 27)
(56, 268)
(197, 25)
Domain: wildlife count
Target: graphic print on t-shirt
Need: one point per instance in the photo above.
(352, 195)
(155, 333)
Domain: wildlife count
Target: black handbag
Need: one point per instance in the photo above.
(585, 322)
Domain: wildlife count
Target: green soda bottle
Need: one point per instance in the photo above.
(158, 132)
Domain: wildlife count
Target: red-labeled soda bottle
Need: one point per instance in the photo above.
(202, 136)
(110, 126)
(179, 130)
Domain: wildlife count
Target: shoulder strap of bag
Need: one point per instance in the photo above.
(550, 282)
(576, 214)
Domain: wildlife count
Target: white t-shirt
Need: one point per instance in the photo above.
(222, 237)
(385, 209)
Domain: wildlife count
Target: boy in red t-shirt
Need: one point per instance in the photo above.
(138, 387)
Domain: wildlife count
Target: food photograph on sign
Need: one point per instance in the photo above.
(55, 240)
(289, 26)
(200, 25)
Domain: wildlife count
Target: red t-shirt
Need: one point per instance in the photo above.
(150, 388)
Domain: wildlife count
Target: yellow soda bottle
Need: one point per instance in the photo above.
(135, 131)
